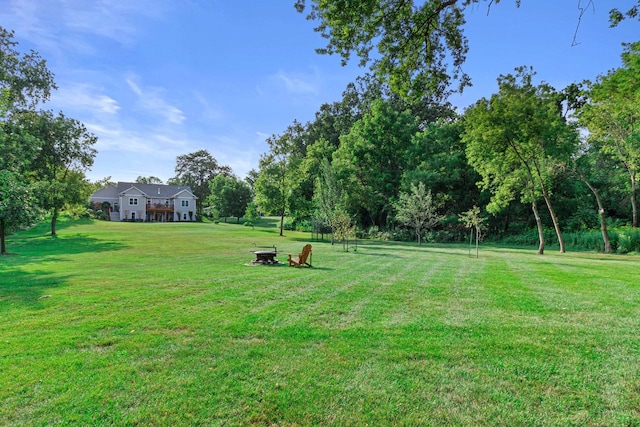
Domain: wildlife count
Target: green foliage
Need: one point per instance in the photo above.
(437, 158)
(473, 222)
(417, 210)
(616, 15)
(420, 46)
(25, 80)
(18, 206)
(148, 180)
(518, 141)
(197, 170)
(281, 186)
(371, 160)
(230, 196)
(626, 240)
(251, 213)
(344, 229)
(65, 151)
(611, 116)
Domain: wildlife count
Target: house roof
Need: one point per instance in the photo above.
(154, 190)
(109, 192)
(160, 191)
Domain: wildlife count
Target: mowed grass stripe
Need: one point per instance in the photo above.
(161, 324)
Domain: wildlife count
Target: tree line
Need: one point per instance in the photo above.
(392, 158)
(531, 155)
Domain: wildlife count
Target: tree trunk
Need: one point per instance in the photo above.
(281, 224)
(603, 217)
(3, 246)
(477, 242)
(634, 208)
(556, 226)
(534, 207)
(54, 220)
(419, 237)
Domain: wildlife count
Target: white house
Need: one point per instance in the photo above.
(130, 201)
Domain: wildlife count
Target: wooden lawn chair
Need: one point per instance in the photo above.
(301, 259)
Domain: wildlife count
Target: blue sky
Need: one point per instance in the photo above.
(154, 79)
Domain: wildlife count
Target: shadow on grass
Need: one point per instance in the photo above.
(44, 247)
(64, 222)
(28, 288)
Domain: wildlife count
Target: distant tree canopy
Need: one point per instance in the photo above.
(197, 170)
(373, 154)
(148, 180)
(229, 196)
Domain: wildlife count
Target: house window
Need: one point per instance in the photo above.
(184, 216)
(133, 201)
(185, 203)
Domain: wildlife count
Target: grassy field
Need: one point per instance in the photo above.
(165, 324)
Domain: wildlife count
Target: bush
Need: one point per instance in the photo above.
(288, 224)
(587, 239)
(303, 225)
(627, 240)
(623, 240)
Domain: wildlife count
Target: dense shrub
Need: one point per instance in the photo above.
(627, 240)
(588, 239)
(623, 239)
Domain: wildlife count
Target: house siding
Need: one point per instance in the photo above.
(147, 202)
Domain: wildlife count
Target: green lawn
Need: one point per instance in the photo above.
(164, 324)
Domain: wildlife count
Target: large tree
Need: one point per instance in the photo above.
(229, 196)
(437, 158)
(371, 160)
(25, 81)
(612, 116)
(196, 170)
(275, 185)
(587, 168)
(516, 140)
(65, 147)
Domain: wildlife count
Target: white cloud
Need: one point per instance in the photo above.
(299, 84)
(262, 136)
(57, 26)
(150, 99)
(82, 96)
(208, 113)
